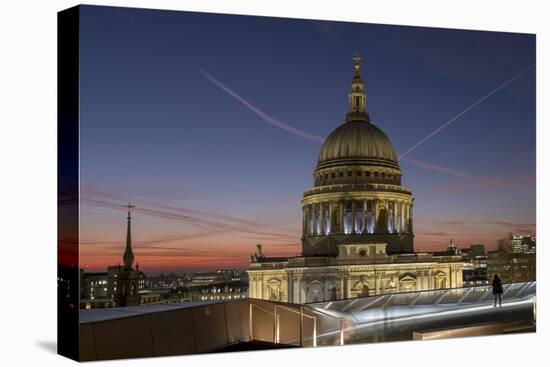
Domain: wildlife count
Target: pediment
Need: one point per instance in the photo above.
(408, 277)
(315, 283)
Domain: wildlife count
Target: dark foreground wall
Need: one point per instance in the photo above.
(200, 329)
(68, 284)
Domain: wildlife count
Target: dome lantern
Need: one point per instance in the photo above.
(357, 97)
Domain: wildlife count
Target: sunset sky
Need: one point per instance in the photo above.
(211, 126)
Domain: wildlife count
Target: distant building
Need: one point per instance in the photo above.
(523, 244)
(166, 281)
(511, 267)
(220, 276)
(475, 266)
(94, 285)
(118, 287)
(230, 290)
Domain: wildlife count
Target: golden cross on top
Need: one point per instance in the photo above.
(130, 206)
(356, 59)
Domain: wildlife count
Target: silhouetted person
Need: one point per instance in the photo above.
(497, 290)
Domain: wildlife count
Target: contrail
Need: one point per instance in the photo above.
(466, 110)
(264, 116)
(319, 139)
(203, 223)
(435, 167)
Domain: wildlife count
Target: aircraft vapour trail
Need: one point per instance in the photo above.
(435, 167)
(466, 110)
(264, 116)
(450, 171)
(319, 139)
(203, 223)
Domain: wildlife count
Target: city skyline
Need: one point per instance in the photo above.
(210, 183)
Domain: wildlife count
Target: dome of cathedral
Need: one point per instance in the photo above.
(357, 140)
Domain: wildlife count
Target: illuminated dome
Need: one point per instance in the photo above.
(358, 141)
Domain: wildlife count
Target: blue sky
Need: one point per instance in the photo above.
(157, 131)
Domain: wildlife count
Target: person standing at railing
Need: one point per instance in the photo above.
(497, 290)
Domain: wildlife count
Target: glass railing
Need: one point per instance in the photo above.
(292, 324)
(382, 307)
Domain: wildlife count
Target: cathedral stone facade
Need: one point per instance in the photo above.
(357, 224)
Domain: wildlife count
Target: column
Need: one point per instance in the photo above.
(311, 222)
(341, 203)
(322, 217)
(455, 276)
(391, 217)
(375, 208)
(411, 219)
(397, 215)
(365, 216)
(329, 229)
(290, 288)
(251, 287)
(406, 218)
(260, 287)
(348, 286)
(426, 283)
(296, 289)
(308, 219)
(304, 221)
(397, 220)
(315, 219)
(353, 216)
(402, 208)
(341, 293)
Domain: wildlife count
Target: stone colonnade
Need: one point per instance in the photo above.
(357, 216)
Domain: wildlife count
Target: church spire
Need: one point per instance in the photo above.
(128, 257)
(357, 97)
